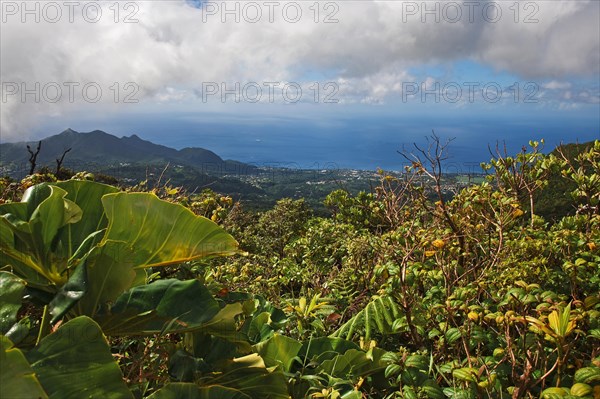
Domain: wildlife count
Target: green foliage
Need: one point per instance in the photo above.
(19, 379)
(405, 292)
(74, 359)
(89, 253)
(280, 225)
(360, 211)
(583, 171)
(163, 305)
(84, 243)
(244, 377)
(382, 315)
(308, 314)
(11, 294)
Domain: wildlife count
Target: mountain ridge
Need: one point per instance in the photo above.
(99, 147)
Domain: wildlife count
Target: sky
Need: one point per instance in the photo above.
(304, 82)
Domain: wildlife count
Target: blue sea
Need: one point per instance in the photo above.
(348, 142)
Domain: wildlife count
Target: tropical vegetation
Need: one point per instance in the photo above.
(401, 292)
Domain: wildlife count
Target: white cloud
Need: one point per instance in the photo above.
(370, 50)
(556, 85)
(373, 88)
(170, 94)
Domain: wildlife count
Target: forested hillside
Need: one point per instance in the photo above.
(401, 292)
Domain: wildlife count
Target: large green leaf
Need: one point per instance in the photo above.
(219, 338)
(223, 325)
(211, 350)
(249, 375)
(11, 297)
(264, 321)
(47, 236)
(42, 233)
(32, 242)
(22, 263)
(244, 377)
(355, 363)
(164, 305)
(162, 233)
(186, 390)
(278, 350)
(110, 272)
(99, 241)
(75, 362)
(49, 217)
(17, 379)
(324, 348)
(69, 294)
(144, 231)
(88, 196)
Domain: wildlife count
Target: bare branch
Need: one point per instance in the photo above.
(33, 156)
(59, 161)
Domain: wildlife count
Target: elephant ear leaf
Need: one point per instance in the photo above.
(164, 304)
(144, 231)
(69, 294)
(240, 378)
(162, 233)
(50, 216)
(30, 233)
(88, 197)
(75, 361)
(188, 390)
(279, 350)
(17, 379)
(45, 230)
(11, 296)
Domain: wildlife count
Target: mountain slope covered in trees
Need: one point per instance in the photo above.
(100, 148)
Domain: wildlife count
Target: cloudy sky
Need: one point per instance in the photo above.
(254, 80)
